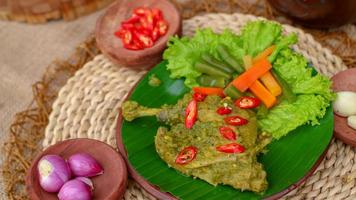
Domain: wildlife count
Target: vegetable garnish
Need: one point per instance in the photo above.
(264, 54)
(271, 84)
(263, 94)
(245, 80)
(186, 155)
(142, 29)
(290, 72)
(199, 96)
(227, 133)
(209, 91)
(235, 120)
(53, 172)
(231, 148)
(191, 114)
(247, 102)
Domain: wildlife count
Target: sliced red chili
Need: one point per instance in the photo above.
(162, 27)
(157, 14)
(125, 35)
(133, 46)
(186, 155)
(235, 120)
(142, 29)
(247, 102)
(225, 110)
(141, 11)
(227, 133)
(199, 96)
(147, 23)
(191, 114)
(144, 39)
(155, 34)
(231, 148)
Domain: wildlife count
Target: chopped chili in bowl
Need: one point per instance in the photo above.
(142, 29)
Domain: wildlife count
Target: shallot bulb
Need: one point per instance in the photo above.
(77, 189)
(84, 165)
(53, 172)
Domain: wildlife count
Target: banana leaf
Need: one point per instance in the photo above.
(286, 162)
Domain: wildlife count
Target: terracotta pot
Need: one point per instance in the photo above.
(317, 13)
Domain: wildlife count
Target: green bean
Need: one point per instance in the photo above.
(227, 57)
(232, 92)
(217, 63)
(207, 69)
(287, 92)
(211, 81)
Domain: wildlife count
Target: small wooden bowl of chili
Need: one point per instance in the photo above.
(135, 33)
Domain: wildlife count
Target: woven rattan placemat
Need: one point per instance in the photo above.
(87, 106)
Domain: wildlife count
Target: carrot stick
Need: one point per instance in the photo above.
(264, 54)
(209, 91)
(245, 80)
(267, 79)
(271, 84)
(263, 94)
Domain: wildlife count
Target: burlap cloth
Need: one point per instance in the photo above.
(87, 107)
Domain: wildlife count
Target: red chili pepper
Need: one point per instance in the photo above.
(191, 113)
(227, 133)
(231, 148)
(133, 46)
(247, 102)
(141, 11)
(186, 155)
(235, 120)
(162, 27)
(224, 110)
(142, 29)
(144, 39)
(155, 34)
(157, 14)
(125, 35)
(199, 96)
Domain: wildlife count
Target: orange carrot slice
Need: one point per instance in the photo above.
(245, 80)
(209, 91)
(267, 79)
(263, 94)
(271, 84)
(264, 54)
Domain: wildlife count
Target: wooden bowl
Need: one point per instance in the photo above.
(111, 46)
(109, 186)
(344, 81)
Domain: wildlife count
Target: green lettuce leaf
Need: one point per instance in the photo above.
(259, 35)
(182, 54)
(313, 96)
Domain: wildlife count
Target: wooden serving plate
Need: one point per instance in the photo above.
(109, 186)
(344, 81)
(111, 45)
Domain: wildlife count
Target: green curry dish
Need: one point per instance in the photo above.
(239, 170)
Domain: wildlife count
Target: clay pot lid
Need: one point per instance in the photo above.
(111, 45)
(109, 186)
(344, 81)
